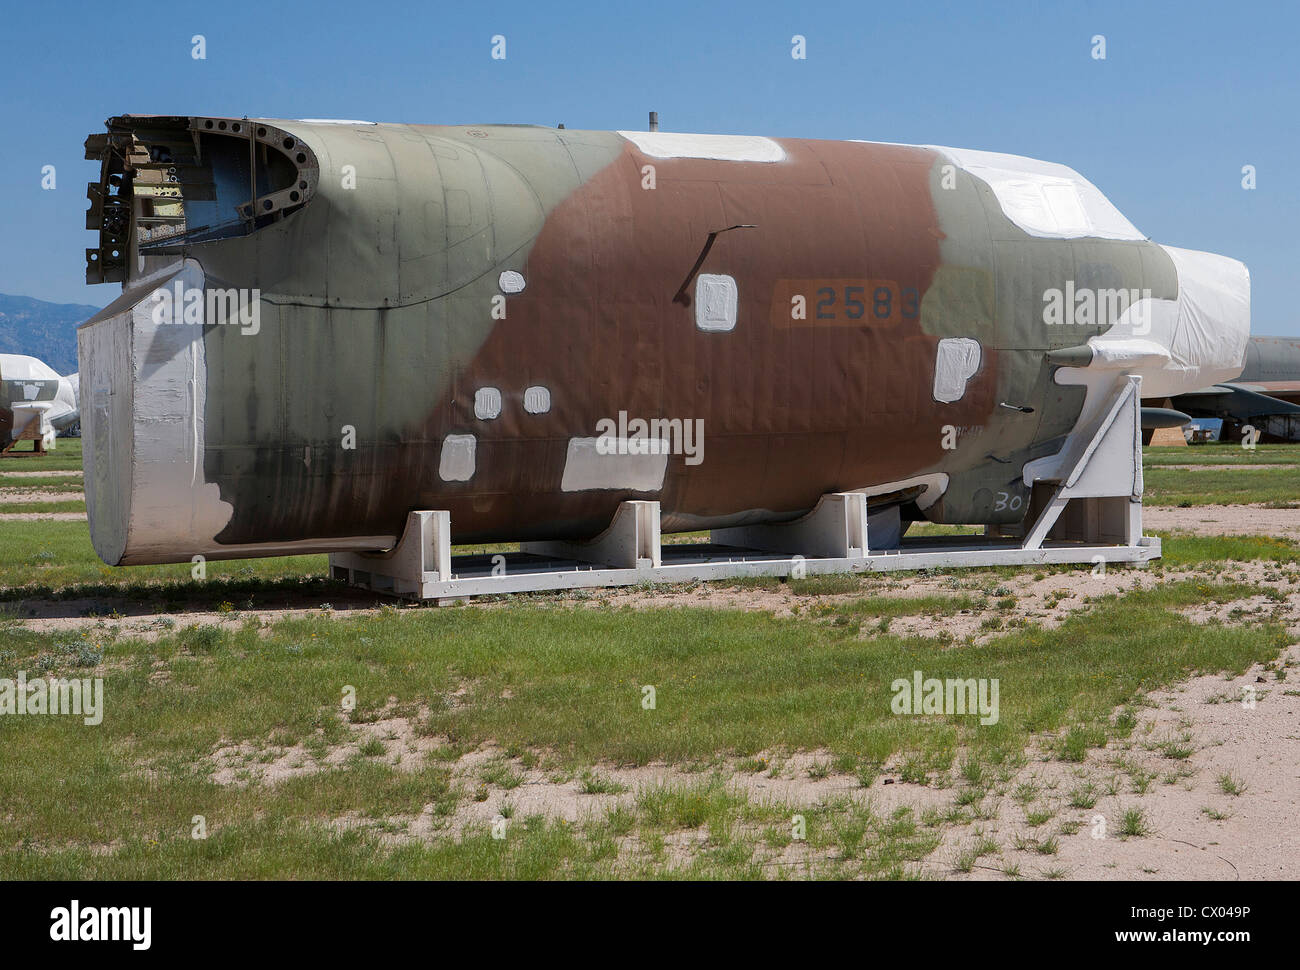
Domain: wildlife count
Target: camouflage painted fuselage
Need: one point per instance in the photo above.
(384, 310)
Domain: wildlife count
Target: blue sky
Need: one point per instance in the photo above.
(1188, 94)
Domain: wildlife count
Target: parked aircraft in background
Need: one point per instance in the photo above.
(27, 381)
(1266, 396)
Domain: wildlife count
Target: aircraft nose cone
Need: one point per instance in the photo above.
(1210, 330)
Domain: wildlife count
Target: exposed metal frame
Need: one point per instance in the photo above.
(130, 175)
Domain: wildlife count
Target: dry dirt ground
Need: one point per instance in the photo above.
(1223, 520)
(43, 516)
(144, 619)
(1215, 777)
(34, 493)
(1047, 819)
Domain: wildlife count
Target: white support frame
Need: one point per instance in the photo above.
(1103, 480)
(421, 557)
(1093, 513)
(835, 529)
(630, 542)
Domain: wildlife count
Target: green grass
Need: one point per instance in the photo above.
(1188, 487)
(879, 607)
(926, 529)
(54, 483)
(1230, 786)
(1221, 453)
(828, 584)
(561, 687)
(49, 557)
(65, 457)
(43, 507)
(1236, 486)
(1134, 824)
(1084, 796)
(861, 842)
(1180, 551)
(555, 679)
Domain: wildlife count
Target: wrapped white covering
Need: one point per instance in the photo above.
(1044, 198)
(1213, 324)
(1201, 337)
(1118, 353)
(19, 367)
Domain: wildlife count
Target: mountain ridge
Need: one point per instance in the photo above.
(41, 329)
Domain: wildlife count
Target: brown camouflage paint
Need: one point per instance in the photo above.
(377, 315)
(790, 411)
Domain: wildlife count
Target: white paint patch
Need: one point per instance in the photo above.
(487, 403)
(511, 282)
(585, 468)
(1044, 198)
(716, 301)
(957, 360)
(456, 464)
(537, 400)
(725, 148)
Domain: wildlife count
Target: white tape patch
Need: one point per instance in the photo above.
(725, 148)
(585, 468)
(716, 299)
(1044, 198)
(456, 464)
(511, 282)
(955, 363)
(537, 400)
(487, 403)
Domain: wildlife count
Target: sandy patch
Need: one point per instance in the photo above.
(147, 621)
(1047, 819)
(33, 516)
(70, 473)
(270, 763)
(1197, 830)
(1169, 770)
(1010, 600)
(1217, 520)
(8, 495)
